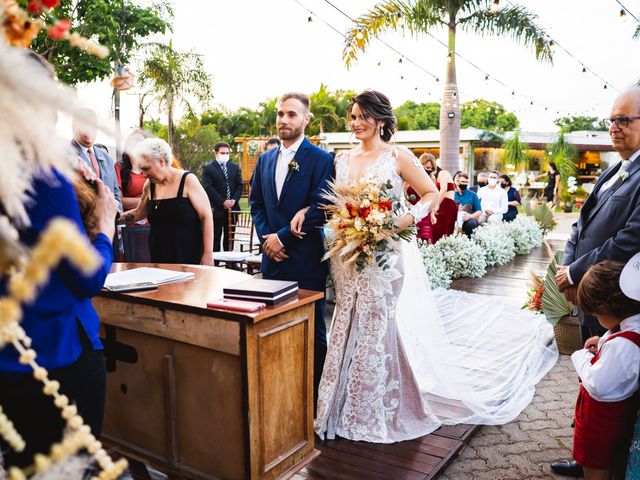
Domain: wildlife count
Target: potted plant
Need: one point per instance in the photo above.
(558, 311)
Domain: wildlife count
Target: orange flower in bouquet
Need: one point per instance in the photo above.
(361, 222)
(534, 296)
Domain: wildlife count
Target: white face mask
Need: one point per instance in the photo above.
(493, 182)
(222, 158)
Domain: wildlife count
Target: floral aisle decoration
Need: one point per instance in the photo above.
(496, 243)
(362, 223)
(462, 257)
(435, 266)
(60, 239)
(534, 295)
(525, 232)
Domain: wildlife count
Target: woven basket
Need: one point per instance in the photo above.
(567, 333)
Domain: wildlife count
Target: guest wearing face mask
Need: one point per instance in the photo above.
(513, 198)
(223, 183)
(481, 181)
(469, 209)
(493, 199)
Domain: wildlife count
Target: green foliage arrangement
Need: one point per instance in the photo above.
(577, 123)
(554, 304)
(516, 152)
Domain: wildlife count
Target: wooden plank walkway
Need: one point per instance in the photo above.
(424, 457)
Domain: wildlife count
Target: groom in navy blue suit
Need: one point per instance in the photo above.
(286, 180)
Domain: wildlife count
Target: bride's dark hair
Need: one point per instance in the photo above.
(378, 107)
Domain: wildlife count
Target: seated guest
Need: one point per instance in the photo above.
(609, 370)
(176, 206)
(424, 228)
(481, 181)
(513, 198)
(493, 200)
(469, 203)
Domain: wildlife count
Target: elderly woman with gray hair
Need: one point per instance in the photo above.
(176, 206)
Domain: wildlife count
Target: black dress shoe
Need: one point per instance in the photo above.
(567, 468)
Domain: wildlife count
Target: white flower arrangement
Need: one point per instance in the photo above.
(572, 185)
(435, 265)
(525, 232)
(496, 243)
(462, 257)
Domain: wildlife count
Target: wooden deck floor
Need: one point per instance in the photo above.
(425, 457)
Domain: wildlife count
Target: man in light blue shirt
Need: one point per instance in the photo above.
(470, 209)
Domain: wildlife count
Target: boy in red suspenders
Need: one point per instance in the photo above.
(609, 368)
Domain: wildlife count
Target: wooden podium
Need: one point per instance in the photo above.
(207, 393)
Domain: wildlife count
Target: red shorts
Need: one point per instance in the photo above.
(603, 430)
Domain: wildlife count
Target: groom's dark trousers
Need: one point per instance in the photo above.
(303, 187)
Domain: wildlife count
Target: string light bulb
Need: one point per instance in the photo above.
(495, 6)
(400, 60)
(437, 80)
(400, 19)
(623, 13)
(486, 79)
(584, 69)
(359, 35)
(379, 64)
(449, 57)
(605, 86)
(310, 19)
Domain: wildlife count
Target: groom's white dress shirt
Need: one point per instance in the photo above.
(285, 155)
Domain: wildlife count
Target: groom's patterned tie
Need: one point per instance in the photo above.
(226, 177)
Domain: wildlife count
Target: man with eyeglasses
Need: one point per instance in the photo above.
(609, 224)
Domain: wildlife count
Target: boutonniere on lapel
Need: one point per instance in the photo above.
(621, 176)
(293, 168)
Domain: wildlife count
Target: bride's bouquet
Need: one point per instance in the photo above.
(361, 222)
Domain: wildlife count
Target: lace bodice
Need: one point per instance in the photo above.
(382, 169)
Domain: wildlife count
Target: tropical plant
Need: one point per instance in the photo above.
(563, 153)
(554, 303)
(578, 122)
(486, 115)
(544, 216)
(421, 17)
(175, 77)
(516, 151)
(419, 116)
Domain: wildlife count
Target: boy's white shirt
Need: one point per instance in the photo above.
(614, 376)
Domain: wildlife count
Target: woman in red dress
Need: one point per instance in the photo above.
(424, 228)
(446, 212)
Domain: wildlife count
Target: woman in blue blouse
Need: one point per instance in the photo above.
(513, 198)
(63, 326)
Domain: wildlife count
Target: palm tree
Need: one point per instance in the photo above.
(323, 109)
(423, 16)
(175, 77)
(516, 151)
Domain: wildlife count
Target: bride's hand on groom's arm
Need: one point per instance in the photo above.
(296, 223)
(273, 248)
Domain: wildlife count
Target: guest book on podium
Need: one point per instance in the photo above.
(261, 290)
(144, 278)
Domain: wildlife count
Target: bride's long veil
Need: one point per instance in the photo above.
(476, 358)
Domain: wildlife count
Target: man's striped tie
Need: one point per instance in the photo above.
(226, 176)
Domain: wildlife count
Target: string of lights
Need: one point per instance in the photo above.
(624, 11)
(554, 43)
(402, 57)
(487, 76)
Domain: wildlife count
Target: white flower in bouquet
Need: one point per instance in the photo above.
(435, 266)
(462, 257)
(526, 234)
(496, 243)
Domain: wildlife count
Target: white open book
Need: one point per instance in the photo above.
(143, 276)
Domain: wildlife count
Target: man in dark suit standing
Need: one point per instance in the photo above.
(609, 224)
(223, 183)
(286, 180)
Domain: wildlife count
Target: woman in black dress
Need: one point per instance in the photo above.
(513, 198)
(553, 182)
(176, 206)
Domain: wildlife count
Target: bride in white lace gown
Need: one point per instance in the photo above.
(402, 360)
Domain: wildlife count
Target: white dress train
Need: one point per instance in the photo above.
(403, 359)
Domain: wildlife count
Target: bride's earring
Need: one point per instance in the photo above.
(382, 131)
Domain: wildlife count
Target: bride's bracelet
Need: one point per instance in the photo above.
(419, 210)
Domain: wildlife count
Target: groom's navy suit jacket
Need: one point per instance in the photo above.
(608, 227)
(302, 188)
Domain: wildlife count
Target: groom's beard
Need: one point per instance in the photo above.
(290, 134)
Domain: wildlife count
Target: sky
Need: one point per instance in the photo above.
(257, 49)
